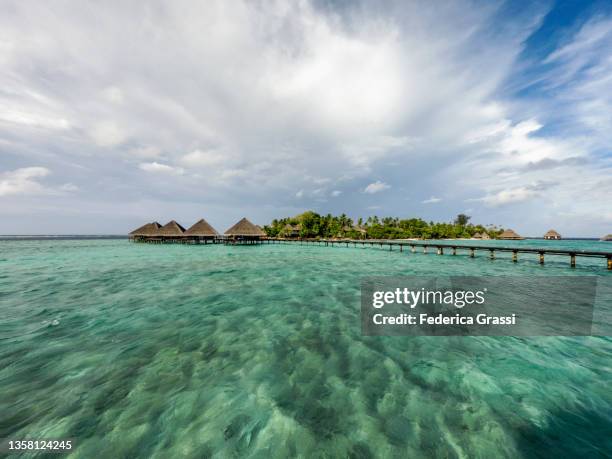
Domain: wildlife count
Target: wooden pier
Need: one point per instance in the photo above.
(454, 248)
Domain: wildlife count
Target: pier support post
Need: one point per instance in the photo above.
(514, 256)
(572, 260)
(401, 248)
(471, 253)
(440, 251)
(413, 249)
(425, 249)
(492, 254)
(454, 250)
(541, 258)
(390, 246)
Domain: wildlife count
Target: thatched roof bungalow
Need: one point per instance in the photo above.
(145, 230)
(171, 230)
(201, 230)
(477, 236)
(485, 236)
(245, 230)
(552, 234)
(510, 235)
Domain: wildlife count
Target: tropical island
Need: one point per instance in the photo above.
(313, 225)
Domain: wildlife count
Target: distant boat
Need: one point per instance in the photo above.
(552, 234)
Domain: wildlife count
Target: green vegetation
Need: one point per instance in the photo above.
(312, 225)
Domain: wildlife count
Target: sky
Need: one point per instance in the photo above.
(113, 114)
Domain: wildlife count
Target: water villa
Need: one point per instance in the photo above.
(552, 235)
(510, 235)
(170, 232)
(145, 231)
(244, 232)
(201, 232)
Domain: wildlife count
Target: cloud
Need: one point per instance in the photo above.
(431, 200)
(275, 106)
(336, 193)
(23, 181)
(199, 158)
(69, 188)
(515, 195)
(376, 187)
(147, 151)
(107, 134)
(114, 94)
(23, 117)
(156, 167)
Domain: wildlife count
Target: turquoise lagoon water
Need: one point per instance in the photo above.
(166, 351)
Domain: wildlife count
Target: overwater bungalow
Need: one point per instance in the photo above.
(510, 235)
(201, 232)
(607, 238)
(552, 234)
(244, 232)
(170, 232)
(145, 231)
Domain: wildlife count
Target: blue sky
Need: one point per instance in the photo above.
(112, 115)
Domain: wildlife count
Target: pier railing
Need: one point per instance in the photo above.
(453, 248)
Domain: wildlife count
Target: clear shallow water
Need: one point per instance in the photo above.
(210, 351)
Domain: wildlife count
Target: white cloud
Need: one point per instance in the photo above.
(69, 188)
(336, 193)
(156, 167)
(21, 116)
(114, 94)
(515, 195)
(199, 158)
(148, 151)
(510, 196)
(431, 200)
(376, 187)
(293, 96)
(107, 134)
(23, 181)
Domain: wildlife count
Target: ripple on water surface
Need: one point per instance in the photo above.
(194, 351)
